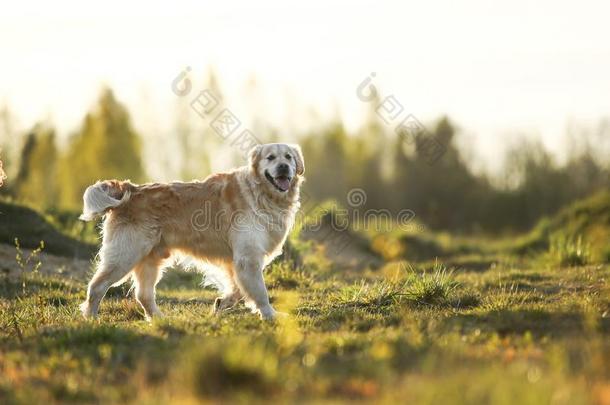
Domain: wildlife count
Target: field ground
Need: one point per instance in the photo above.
(474, 328)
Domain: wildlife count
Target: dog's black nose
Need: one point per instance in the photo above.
(282, 167)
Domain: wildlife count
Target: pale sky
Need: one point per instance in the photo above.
(497, 69)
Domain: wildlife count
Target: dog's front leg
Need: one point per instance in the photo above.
(249, 277)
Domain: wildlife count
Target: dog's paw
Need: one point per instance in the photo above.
(267, 313)
(85, 309)
(154, 316)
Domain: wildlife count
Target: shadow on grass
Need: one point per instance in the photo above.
(538, 322)
(473, 265)
(181, 301)
(11, 288)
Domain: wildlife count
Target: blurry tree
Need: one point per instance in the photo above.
(184, 134)
(9, 142)
(443, 193)
(394, 173)
(367, 155)
(106, 146)
(401, 172)
(446, 194)
(197, 141)
(537, 186)
(36, 180)
(327, 152)
(583, 175)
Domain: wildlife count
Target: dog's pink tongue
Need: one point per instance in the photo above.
(283, 183)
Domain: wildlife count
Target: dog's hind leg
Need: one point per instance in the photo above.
(147, 274)
(119, 254)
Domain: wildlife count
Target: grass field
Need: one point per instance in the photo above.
(487, 327)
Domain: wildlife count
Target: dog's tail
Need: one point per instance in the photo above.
(104, 195)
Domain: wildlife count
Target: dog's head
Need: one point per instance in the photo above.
(280, 166)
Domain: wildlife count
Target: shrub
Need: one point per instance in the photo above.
(431, 288)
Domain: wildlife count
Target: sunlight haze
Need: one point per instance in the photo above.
(497, 70)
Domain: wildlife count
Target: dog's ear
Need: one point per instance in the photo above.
(298, 156)
(254, 156)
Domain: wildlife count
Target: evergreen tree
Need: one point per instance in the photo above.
(329, 152)
(8, 144)
(369, 151)
(401, 166)
(36, 180)
(198, 144)
(105, 147)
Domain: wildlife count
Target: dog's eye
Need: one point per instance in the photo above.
(270, 157)
(288, 156)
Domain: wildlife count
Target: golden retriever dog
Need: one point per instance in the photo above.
(236, 222)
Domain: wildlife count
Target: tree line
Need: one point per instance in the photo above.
(394, 174)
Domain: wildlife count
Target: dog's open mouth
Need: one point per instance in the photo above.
(282, 183)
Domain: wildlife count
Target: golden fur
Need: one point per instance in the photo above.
(237, 221)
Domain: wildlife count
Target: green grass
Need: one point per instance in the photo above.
(425, 335)
(577, 235)
(585, 222)
(486, 323)
(568, 251)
